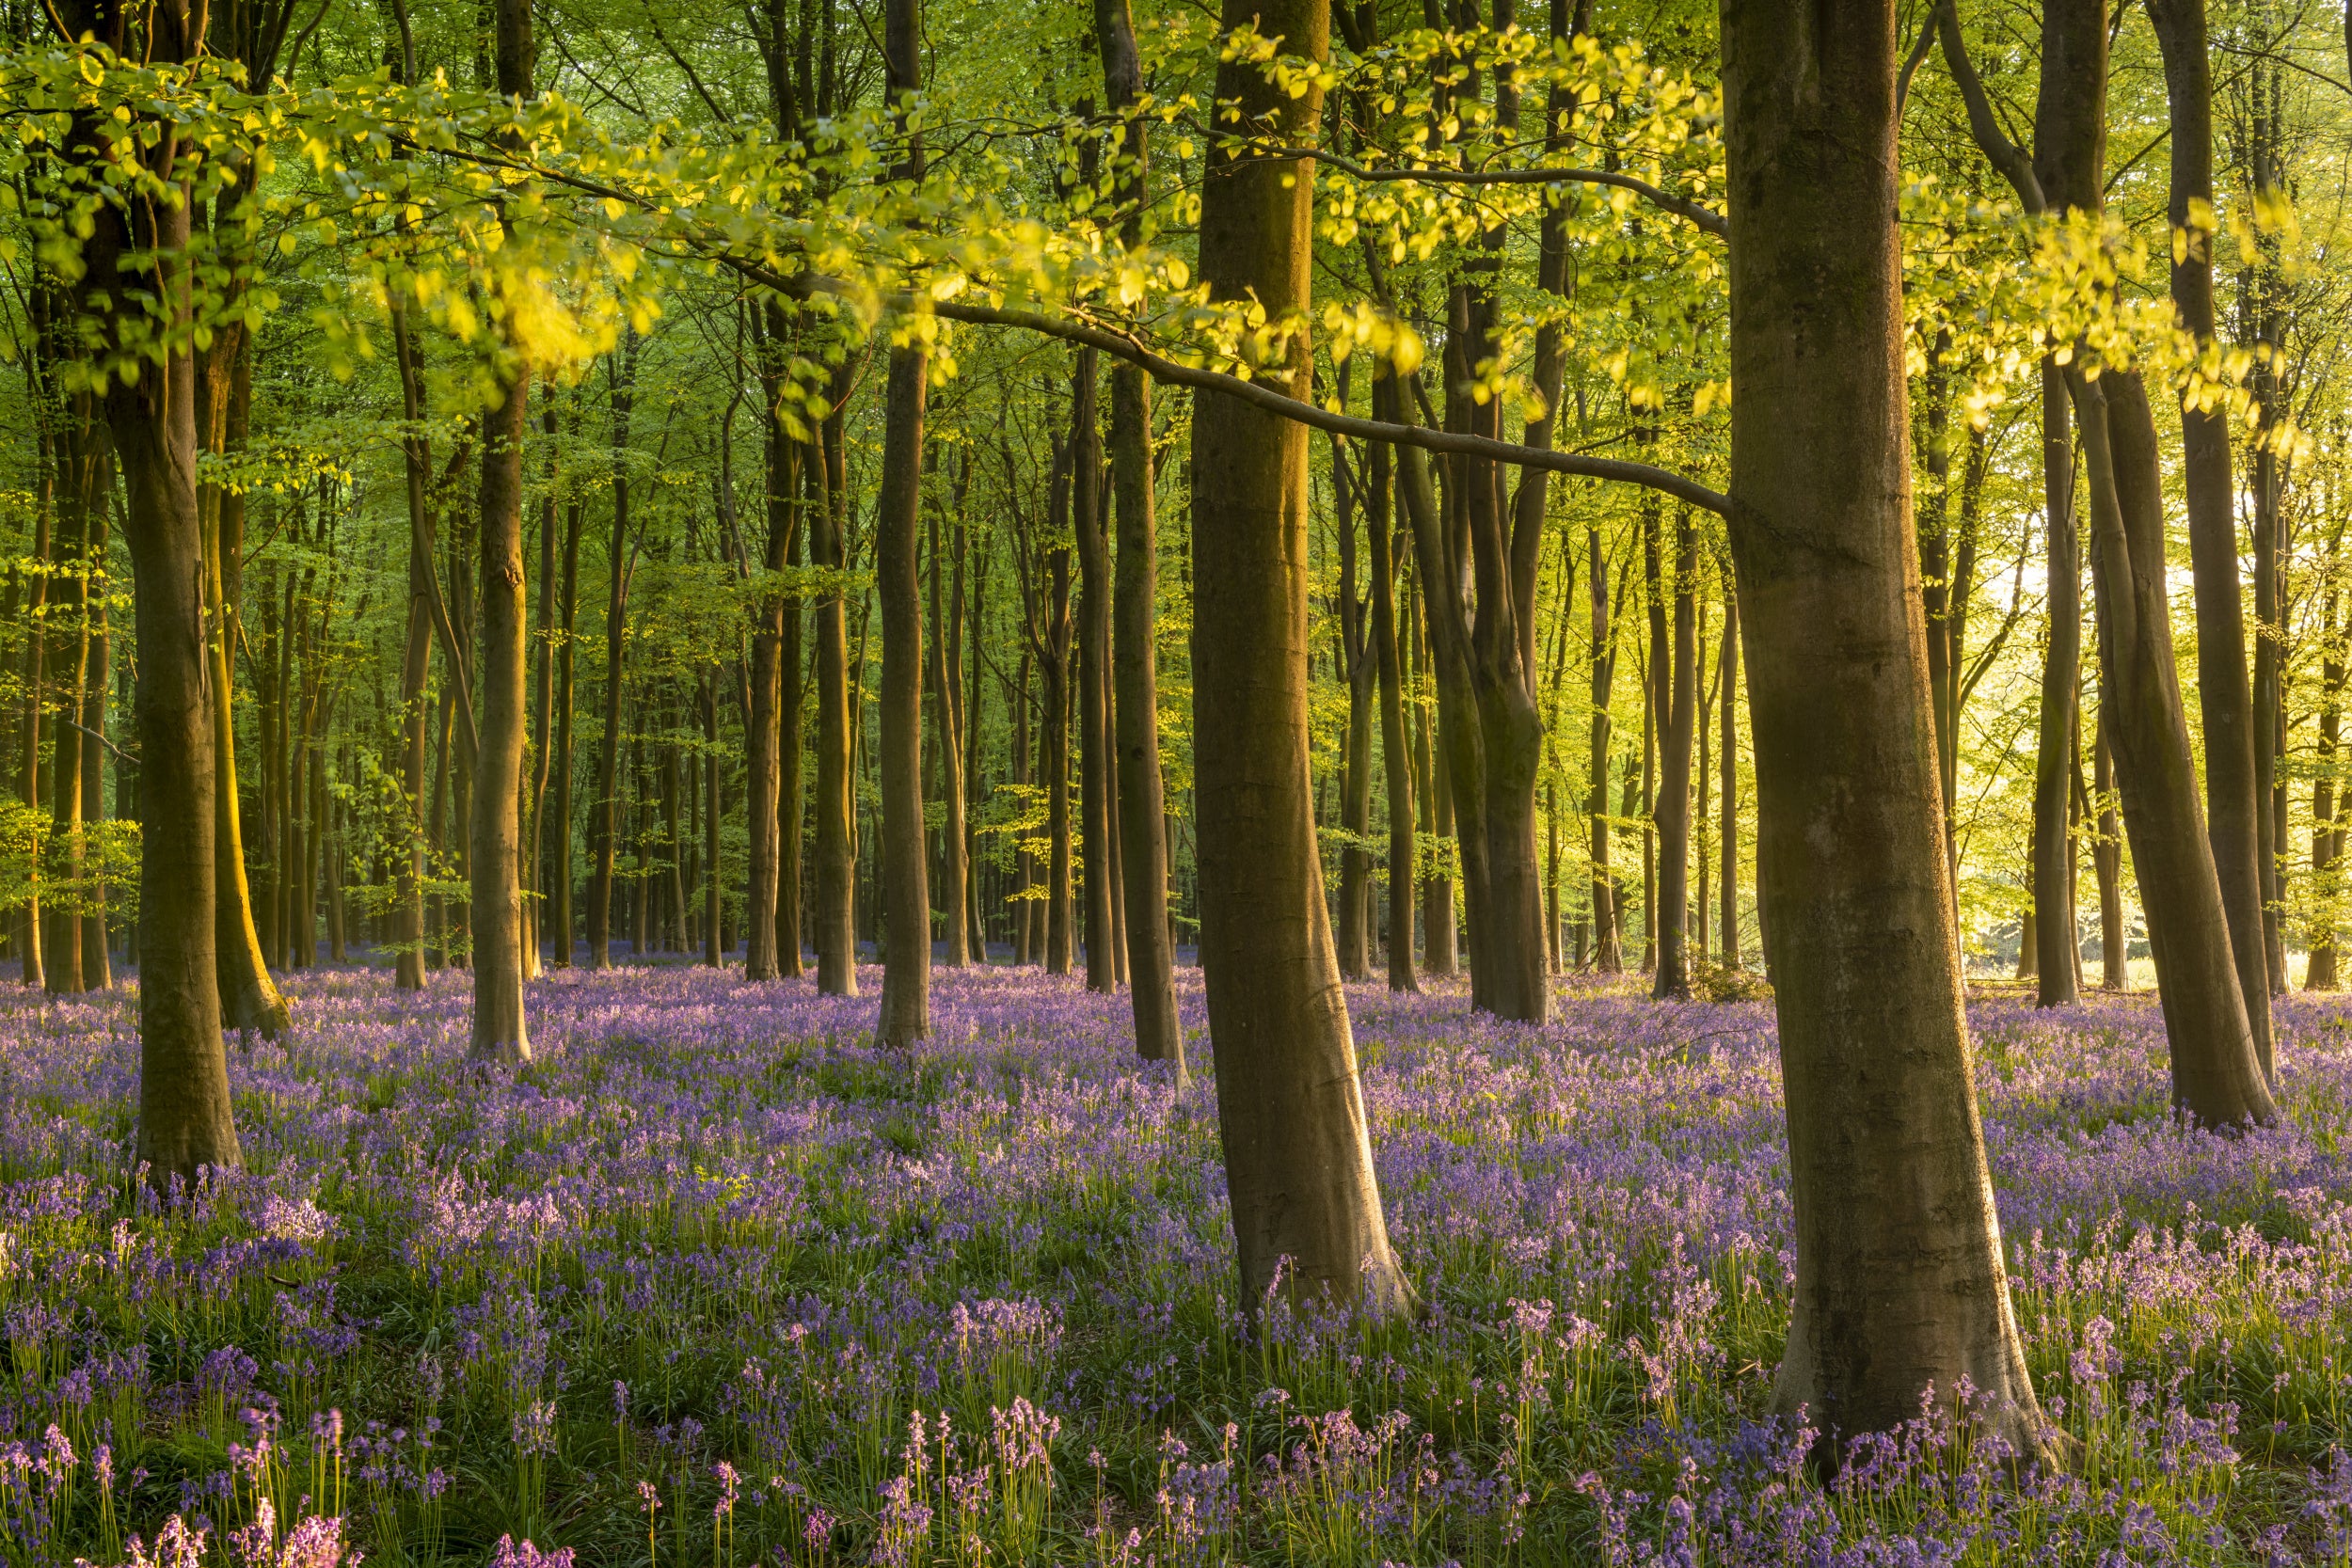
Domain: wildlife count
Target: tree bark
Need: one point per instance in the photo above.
(495, 862)
(1395, 743)
(560, 851)
(1306, 1204)
(97, 968)
(1093, 661)
(1135, 608)
(2319, 973)
(835, 917)
(2217, 1070)
(2108, 861)
(604, 826)
(1672, 812)
(2234, 804)
(249, 1001)
(763, 749)
(495, 906)
(1728, 662)
(947, 719)
(1899, 1286)
(906, 1019)
(185, 1122)
(1353, 660)
(1608, 952)
(2216, 1076)
(2061, 674)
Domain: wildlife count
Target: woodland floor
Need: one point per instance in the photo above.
(712, 1282)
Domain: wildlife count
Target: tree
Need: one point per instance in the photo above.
(1297, 1148)
(1905, 1293)
(185, 1125)
(906, 1018)
(500, 1033)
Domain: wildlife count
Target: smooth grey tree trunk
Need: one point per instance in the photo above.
(1899, 1284)
(1306, 1203)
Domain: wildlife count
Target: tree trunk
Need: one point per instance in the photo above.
(2233, 804)
(1608, 952)
(1306, 1203)
(763, 747)
(83, 506)
(1094, 605)
(1728, 663)
(560, 851)
(1352, 662)
(792, 685)
(947, 719)
(1395, 745)
(495, 862)
(2061, 674)
(834, 922)
(906, 999)
(2319, 973)
(2216, 1076)
(250, 1001)
(184, 1123)
(1900, 1287)
(604, 826)
(537, 861)
(1134, 611)
(97, 970)
(2108, 860)
(1054, 723)
(1673, 811)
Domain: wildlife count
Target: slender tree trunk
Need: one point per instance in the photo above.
(1608, 955)
(2233, 802)
(560, 851)
(97, 970)
(2319, 971)
(1673, 811)
(495, 905)
(1306, 1203)
(248, 997)
(1024, 871)
(2108, 860)
(604, 826)
(763, 747)
(2061, 674)
(835, 925)
(1134, 609)
(906, 999)
(2216, 1075)
(1899, 1290)
(947, 733)
(1054, 724)
(1728, 662)
(537, 862)
(1395, 744)
(1352, 662)
(416, 671)
(83, 507)
(29, 726)
(1093, 683)
(714, 904)
(790, 738)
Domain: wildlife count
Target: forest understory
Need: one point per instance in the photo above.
(712, 1281)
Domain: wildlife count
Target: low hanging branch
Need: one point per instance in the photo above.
(1267, 397)
(1703, 216)
(1264, 396)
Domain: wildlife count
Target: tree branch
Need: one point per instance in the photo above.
(1260, 395)
(1998, 149)
(1703, 216)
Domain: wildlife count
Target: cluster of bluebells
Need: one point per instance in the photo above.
(714, 1283)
